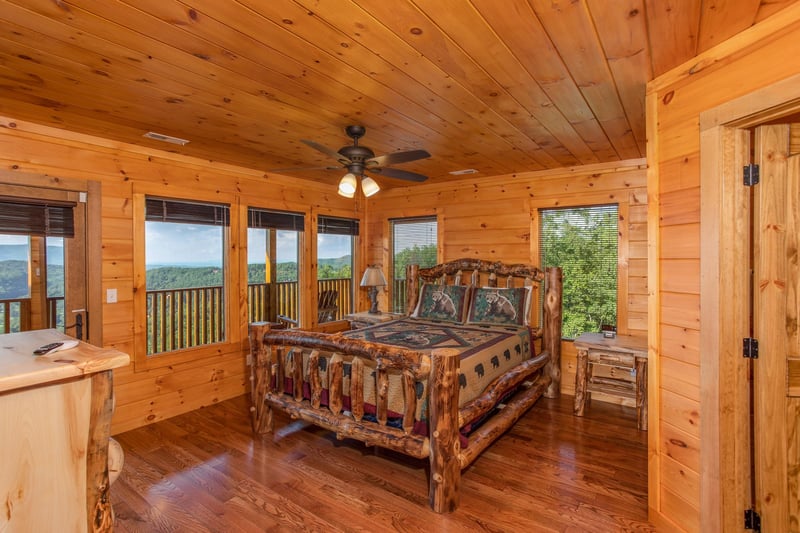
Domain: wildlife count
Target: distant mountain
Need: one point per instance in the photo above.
(14, 279)
(178, 277)
(335, 262)
(19, 252)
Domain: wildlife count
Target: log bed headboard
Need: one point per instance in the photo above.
(479, 273)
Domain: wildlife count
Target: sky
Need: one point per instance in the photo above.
(168, 243)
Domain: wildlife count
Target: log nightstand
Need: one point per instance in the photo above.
(365, 318)
(606, 365)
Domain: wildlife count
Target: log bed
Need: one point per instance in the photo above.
(338, 405)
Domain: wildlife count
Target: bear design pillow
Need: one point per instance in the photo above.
(497, 306)
(442, 302)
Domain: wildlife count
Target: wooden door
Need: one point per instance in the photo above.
(776, 372)
(42, 309)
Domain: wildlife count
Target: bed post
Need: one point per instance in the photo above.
(552, 329)
(260, 375)
(445, 476)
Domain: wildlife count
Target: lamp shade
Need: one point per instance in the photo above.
(373, 277)
(348, 185)
(369, 186)
(346, 194)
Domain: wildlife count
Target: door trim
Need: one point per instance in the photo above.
(94, 248)
(724, 283)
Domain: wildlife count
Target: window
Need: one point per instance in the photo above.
(335, 245)
(273, 244)
(583, 242)
(413, 242)
(54, 255)
(15, 290)
(185, 273)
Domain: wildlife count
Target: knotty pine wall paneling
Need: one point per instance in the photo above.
(680, 449)
(494, 218)
(198, 377)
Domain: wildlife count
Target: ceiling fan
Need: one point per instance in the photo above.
(360, 159)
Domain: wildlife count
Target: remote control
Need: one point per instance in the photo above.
(47, 348)
(55, 347)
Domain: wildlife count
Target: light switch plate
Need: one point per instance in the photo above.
(111, 296)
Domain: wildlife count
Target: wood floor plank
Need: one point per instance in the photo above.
(206, 471)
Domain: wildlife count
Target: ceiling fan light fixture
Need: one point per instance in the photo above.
(369, 186)
(348, 185)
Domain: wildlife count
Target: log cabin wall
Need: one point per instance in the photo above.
(155, 392)
(687, 469)
(495, 218)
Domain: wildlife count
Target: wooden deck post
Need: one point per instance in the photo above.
(552, 329)
(260, 376)
(412, 287)
(445, 481)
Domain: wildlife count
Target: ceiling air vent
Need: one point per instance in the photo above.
(165, 138)
(463, 172)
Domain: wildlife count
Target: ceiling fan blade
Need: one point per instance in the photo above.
(398, 174)
(397, 157)
(327, 151)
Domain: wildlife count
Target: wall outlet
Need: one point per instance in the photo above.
(111, 296)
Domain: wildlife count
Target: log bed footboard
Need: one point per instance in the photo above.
(280, 354)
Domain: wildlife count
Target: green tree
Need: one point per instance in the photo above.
(424, 256)
(583, 242)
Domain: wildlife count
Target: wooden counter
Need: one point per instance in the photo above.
(55, 419)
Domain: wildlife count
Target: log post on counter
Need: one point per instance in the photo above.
(101, 518)
(552, 329)
(260, 376)
(445, 480)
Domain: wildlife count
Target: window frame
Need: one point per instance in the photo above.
(231, 283)
(392, 224)
(590, 200)
(340, 225)
(296, 217)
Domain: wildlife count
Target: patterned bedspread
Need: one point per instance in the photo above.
(486, 353)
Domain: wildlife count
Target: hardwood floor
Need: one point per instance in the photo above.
(205, 471)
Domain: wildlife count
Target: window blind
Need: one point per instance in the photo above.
(186, 212)
(283, 220)
(413, 242)
(583, 242)
(336, 225)
(53, 219)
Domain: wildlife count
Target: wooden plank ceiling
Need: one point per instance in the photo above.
(498, 87)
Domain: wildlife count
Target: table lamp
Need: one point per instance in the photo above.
(373, 278)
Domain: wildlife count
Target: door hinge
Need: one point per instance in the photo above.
(750, 175)
(752, 520)
(750, 348)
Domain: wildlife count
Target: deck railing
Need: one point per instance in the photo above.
(259, 297)
(399, 295)
(55, 312)
(15, 315)
(183, 318)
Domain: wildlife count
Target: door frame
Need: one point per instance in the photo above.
(725, 241)
(94, 249)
